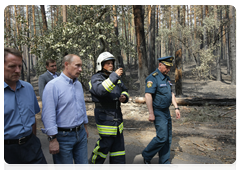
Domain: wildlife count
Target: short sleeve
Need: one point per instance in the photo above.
(36, 106)
(150, 85)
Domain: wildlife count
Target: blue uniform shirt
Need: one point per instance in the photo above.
(159, 86)
(20, 107)
(63, 105)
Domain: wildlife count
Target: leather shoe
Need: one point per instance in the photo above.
(171, 166)
(147, 163)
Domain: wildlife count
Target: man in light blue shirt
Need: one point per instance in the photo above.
(20, 107)
(64, 114)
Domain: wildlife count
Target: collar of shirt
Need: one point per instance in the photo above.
(160, 74)
(54, 75)
(19, 85)
(69, 80)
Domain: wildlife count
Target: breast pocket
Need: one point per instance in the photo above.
(163, 97)
(163, 89)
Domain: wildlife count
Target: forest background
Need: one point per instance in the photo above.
(135, 34)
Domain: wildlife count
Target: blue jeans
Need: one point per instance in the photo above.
(72, 146)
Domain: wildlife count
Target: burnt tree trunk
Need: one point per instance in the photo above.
(232, 36)
(117, 52)
(152, 41)
(141, 46)
(217, 51)
(44, 20)
(178, 72)
(28, 49)
(227, 42)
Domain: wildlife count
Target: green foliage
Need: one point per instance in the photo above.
(207, 58)
(81, 36)
(89, 31)
(86, 33)
(21, 38)
(204, 57)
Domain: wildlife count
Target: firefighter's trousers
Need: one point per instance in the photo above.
(114, 145)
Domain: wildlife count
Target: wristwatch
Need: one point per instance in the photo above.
(50, 138)
(177, 108)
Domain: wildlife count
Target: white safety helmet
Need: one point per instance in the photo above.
(105, 56)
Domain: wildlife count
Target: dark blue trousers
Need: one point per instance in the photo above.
(162, 142)
(114, 145)
(27, 153)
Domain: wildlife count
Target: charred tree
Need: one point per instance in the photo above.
(178, 72)
(141, 46)
(117, 52)
(44, 20)
(217, 51)
(232, 37)
(227, 41)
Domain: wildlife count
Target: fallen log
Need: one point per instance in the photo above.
(195, 101)
(187, 101)
(140, 100)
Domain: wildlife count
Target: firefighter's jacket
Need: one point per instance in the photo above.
(105, 91)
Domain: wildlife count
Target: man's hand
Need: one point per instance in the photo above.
(54, 146)
(85, 126)
(151, 118)
(178, 115)
(122, 98)
(119, 72)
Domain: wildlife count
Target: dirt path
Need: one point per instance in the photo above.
(202, 133)
(208, 131)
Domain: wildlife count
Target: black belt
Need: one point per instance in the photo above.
(115, 105)
(18, 141)
(71, 129)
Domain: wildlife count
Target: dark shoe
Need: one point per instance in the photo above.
(171, 166)
(146, 162)
(90, 165)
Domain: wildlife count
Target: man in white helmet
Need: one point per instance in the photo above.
(108, 92)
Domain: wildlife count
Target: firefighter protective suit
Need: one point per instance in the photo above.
(105, 91)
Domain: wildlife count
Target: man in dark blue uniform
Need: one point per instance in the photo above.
(108, 92)
(159, 96)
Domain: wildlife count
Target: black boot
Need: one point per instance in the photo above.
(146, 162)
(90, 165)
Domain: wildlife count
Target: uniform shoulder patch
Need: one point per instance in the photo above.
(154, 74)
(149, 84)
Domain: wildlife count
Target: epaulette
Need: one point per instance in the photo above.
(154, 74)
